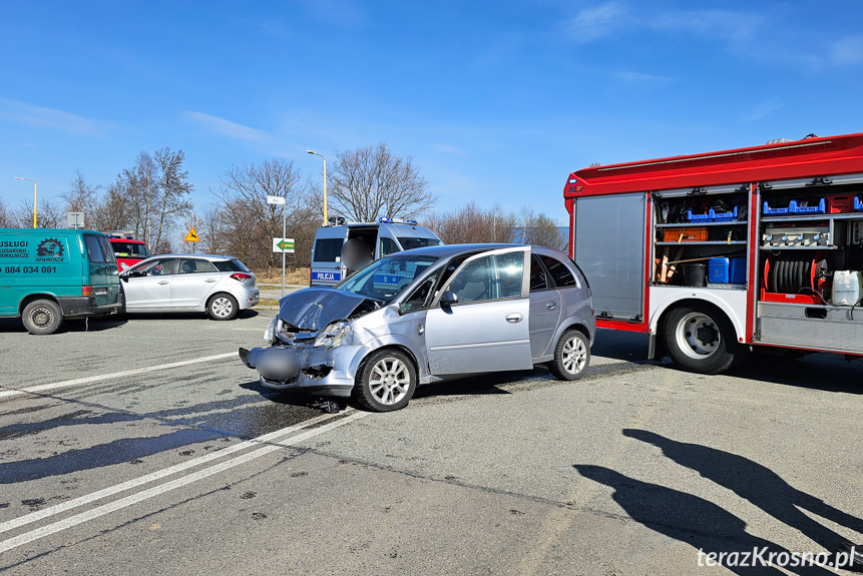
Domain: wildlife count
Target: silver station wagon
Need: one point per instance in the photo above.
(427, 315)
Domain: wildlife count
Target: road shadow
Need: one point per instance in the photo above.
(69, 325)
(757, 484)
(144, 316)
(690, 519)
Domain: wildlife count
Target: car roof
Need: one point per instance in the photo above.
(199, 256)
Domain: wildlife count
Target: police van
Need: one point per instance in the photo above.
(339, 251)
(47, 275)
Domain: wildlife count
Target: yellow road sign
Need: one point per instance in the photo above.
(192, 236)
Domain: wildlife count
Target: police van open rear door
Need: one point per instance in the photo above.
(609, 244)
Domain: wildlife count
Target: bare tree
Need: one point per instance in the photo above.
(5, 215)
(214, 230)
(471, 224)
(80, 196)
(49, 215)
(251, 222)
(540, 230)
(373, 181)
(174, 187)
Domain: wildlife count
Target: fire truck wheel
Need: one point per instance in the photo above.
(701, 339)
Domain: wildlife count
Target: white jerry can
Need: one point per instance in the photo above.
(847, 287)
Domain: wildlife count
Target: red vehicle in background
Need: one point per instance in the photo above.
(127, 250)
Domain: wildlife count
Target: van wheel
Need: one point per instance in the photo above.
(571, 356)
(223, 307)
(700, 339)
(386, 382)
(42, 317)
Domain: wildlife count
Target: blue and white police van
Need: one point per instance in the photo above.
(339, 251)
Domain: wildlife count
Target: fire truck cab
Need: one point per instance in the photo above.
(716, 253)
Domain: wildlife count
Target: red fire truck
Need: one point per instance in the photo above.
(713, 254)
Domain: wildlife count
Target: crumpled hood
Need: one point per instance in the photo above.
(313, 308)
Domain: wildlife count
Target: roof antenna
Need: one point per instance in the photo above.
(810, 135)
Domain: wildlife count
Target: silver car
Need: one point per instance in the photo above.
(426, 315)
(221, 286)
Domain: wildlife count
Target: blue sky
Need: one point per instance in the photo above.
(496, 101)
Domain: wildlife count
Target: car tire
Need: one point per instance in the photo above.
(701, 339)
(42, 317)
(386, 382)
(571, 356)
(223, 307)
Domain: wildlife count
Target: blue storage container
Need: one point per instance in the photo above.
(773, 211)
(718, 271)
(699, 217)
(738, 271)
(726, 271)
(723, 216)
(819, 208)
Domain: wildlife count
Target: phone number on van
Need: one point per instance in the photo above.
(30, 270)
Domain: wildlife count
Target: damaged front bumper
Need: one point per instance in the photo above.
(317, 370)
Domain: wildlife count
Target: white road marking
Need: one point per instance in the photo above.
(134, 483)
(72, 521)
(125, 373)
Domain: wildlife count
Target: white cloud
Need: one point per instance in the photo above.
(736, 27)
(847, 51)
(597, 21)
(763, 110)
(226, 127)
(27, 114)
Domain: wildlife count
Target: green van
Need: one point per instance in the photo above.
(47, 275)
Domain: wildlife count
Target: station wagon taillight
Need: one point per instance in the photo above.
(86, 291)
(239, 276)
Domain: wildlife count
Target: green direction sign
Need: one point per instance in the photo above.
(283, 245)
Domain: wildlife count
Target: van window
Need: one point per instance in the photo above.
(328, 249)
(388, 246)
(98, 249)
(409, 243)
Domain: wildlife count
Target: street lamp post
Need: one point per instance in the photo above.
(326, 222)
(34, 196)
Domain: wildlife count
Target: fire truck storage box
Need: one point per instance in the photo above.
(685, 234)
(726, 271)
(838, 203)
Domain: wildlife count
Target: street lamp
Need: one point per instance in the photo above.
(325, 182)
(34, 197)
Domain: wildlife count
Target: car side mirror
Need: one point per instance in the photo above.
(448, 298)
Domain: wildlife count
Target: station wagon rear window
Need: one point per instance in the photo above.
(130, 249)
(328, 249)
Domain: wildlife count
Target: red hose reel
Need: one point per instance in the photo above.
(797, 277)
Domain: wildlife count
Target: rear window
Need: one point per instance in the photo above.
(230, 266)
(98, 249)
(559, 272)
(328, 250)
(409, 243)
(126, 249)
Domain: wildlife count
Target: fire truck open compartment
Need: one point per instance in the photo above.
(756, 246)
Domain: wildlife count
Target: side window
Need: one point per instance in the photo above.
(196, 267)
(158, 267)
(559, 271)
(490, 278)
(388, 246)
(538, 280)
(107, 251)
(421, 296)
(94, 249)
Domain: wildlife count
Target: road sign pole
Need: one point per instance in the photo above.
(284, 233)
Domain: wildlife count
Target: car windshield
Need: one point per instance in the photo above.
(386, 278)
(409, 243)
(122, 249)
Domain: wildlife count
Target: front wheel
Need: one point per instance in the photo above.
(223, 307)
(571, 356)
(387, 381)
(701, 339)
(42, 317)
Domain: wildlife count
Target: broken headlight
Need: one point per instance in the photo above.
(274, 327)
(333, 334)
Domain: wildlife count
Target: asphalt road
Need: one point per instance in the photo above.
(145, 446)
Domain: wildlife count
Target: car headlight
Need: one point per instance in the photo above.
(333, 334)
(270, 332)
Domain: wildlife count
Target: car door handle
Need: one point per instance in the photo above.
(551, 305)
(163, 282)
(211, 280)
(514, 318)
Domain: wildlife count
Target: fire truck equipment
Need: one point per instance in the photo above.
(847, 287)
